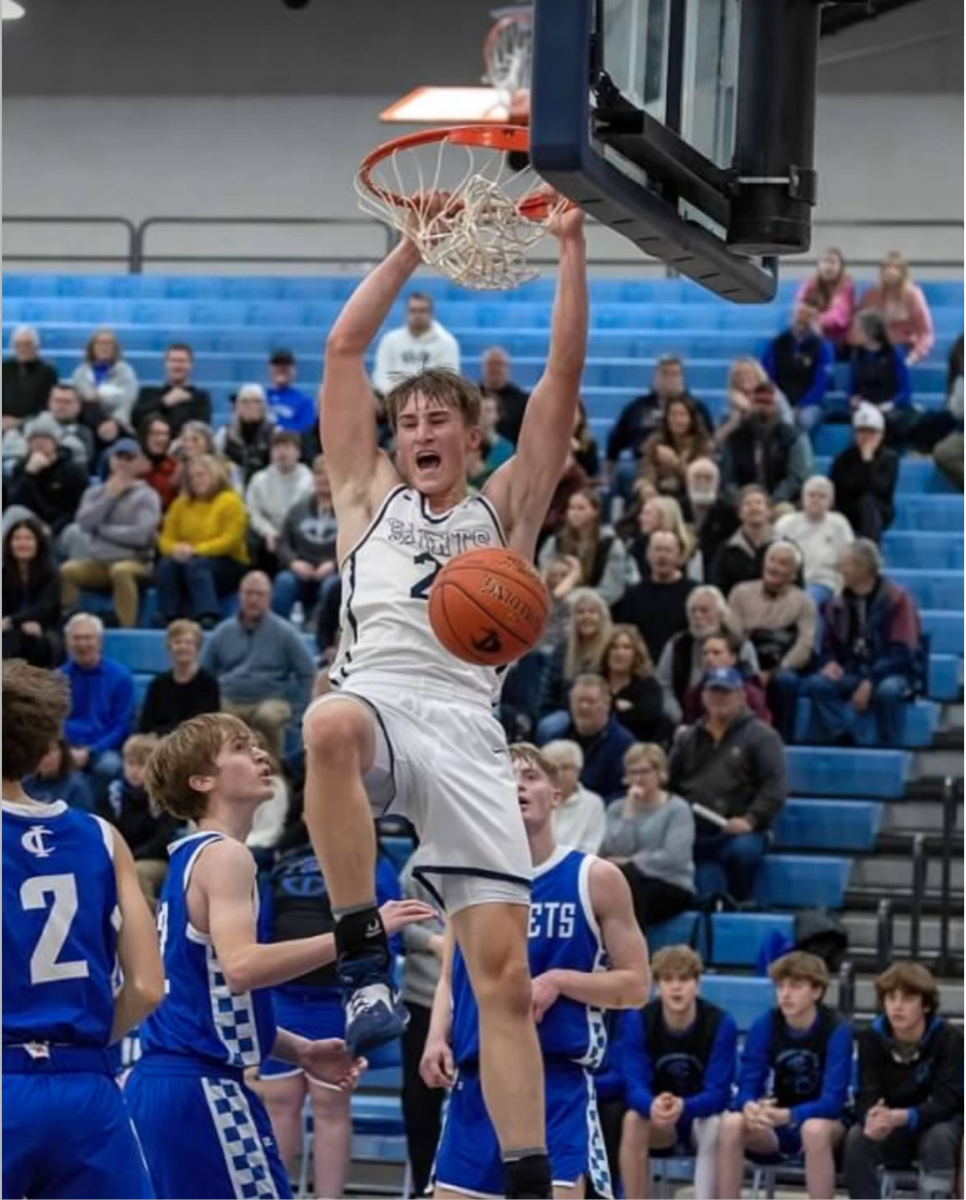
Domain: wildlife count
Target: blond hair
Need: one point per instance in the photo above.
(672, 521)
(643, 665)
(579, 657)
(139, 747)
(441, 388)
(800, 965)
(182, 627)
(526, 752)
(676, 962)
(216, 468)
(650, 753)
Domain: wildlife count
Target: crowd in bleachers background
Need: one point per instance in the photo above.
(715, 596)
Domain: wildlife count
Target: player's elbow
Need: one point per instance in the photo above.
(239, 976)
(147, 990)
(343, 343)
(632, 990)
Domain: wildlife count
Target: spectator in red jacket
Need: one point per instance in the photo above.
(162, 466)
(723, 649)
(832, 291)
(869, 652)
(904, 308)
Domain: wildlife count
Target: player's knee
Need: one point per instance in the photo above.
(816, 1135)
(503, 983)
(336, 734)
(636, 1130)
(329, 1106)
(732, 1129)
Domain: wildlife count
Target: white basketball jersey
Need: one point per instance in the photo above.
(386, 636)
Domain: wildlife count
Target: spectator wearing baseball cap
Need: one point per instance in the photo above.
(292, 409)
(47, 482)
(865, 474)
(731, 768)
(119, 520)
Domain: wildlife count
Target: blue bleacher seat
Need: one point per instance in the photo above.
(937, 589)
(828, 824)
(802, 881)
(737, 938)
(143, 650)
(920, 720)
(745, 998)
(877, 774)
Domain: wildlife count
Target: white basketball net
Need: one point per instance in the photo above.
(460, 205)
(508, 52)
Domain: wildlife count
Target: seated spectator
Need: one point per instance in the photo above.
(47, 482)
(578, 820)
(307, 549)
(494, 449)
(495, 381)
(948, 451)
(186, 690)
(864, 476)
(734, 765)
(903, 307)
(657, 605)
(600, 552)
(196, 438)
(682, 664)
(793, 1082)
(162, 466)
(31, 595)
(177, 400)
(261, 663)
(588, 632)
(27, 379)
(639, 419)
(799, 363)
(778, 618)
(247, 439)
(291, 408)
(743, 555)
(678, 1061)
(723, 649)
(147, 830)
(745, 375)
(832, 292)
(821, 535)
(421, 344)
(584, 444)
(271, 492)
(119, 520)
(650, 835)
(880, 377)
(658, 513)
(680, 438)
(910, 1092)
(56, 778)
(202, 543)
(64, 405)
(599, 734)
(712, 517)
(102, 702)
(869, 653)
(766, 451)
(106, 377)
(637, 695)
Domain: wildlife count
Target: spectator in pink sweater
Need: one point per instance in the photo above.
(904, 308)
(832, 292)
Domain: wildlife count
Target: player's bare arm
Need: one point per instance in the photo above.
(627, 983)
(137, 947)
(361, 474)
(220, 896)
(326, 1060)
(522, 489)
(437, 1068)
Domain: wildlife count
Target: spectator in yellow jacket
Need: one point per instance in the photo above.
(202, 543)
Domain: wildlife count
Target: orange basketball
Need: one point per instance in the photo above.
(488, 607)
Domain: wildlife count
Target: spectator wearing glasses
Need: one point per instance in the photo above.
(422, 343)
(578, 821)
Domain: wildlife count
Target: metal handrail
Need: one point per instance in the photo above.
(846, 1003)
(137, 256)
(140, 255)
(128, 258)
(950, 801)
(884, 934)
(918, 891)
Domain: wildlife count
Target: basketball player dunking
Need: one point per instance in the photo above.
(411, 727)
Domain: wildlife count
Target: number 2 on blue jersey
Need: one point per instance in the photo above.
(44, 967)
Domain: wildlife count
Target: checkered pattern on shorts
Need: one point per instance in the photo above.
(245, 1157)
(234, 1016)
(598, 1168)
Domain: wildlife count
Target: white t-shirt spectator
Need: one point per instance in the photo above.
(271, 493)
(580, 821)
(821, 543)
(402, 354)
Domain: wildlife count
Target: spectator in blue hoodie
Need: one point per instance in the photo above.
(799, 362)
(599, 734)
(292, 409)
(56, 778)
(678, 1061)
(102, 702)
(793, 1082)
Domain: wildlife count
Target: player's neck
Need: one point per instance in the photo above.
(448, 499)
(679, 1021)
(542, 845)
(223, 816)
(13, 793)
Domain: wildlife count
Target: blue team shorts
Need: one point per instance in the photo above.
(70, 1135)
(315, 1016)
(469, 1160)
(204, 1133)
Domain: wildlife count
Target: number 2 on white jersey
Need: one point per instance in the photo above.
(44, 967)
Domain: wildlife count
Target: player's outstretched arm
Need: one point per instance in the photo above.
(137, 947)
(346, 402)
(226, 875)
(627, 983)
(437, 1067)
(522, 490)
(326, 1061)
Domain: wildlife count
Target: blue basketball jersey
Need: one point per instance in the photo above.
(60, 922)
(200, 1015)
(563, 935)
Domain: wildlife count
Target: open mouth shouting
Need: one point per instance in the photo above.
(428, 460)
